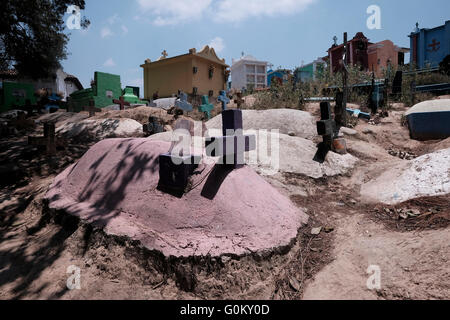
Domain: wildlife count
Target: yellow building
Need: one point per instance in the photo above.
(195, 73)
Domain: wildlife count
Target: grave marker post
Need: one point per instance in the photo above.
(233, 144)
(223, 99)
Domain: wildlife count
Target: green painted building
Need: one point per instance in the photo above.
(310, 71)
(105, 88)
(13, 94)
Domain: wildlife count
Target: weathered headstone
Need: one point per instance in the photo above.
(182, 103)
(153, 126)
(206, 107)
(326, 128)
(178, 164)
(48, 140)
(239, 101)
(121, 102)
(91, 108)
(223, 99)
(233, 144)
(397, 84)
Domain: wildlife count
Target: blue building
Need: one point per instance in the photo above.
(279, 76)
(430, 46)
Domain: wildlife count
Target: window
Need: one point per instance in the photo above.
(211, 93)
(261, 69)
(109, 94)
(250, 78)
(250, 68)
(195, 70)
(194, 91)
(261, 79)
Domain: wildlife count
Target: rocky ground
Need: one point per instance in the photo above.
(347, 232)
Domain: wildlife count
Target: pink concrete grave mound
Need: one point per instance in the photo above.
(114, 186)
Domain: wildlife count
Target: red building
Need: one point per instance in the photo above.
(368, 56)
(357, 53)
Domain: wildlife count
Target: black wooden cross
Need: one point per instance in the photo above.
(91, 108)
(326, 128)
(239, 101)
(48, 140)
(153, 126)
(177, 165)
(233, 144)
(121, 102)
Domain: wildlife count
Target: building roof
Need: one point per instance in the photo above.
(12, 73)
(206, 53)
(247, 58)
(75, 80)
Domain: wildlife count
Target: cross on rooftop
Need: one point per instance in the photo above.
(239, 101)
(121, 102)
(164, 54)
(233, 144)
(91, 108)
(335, 39)
(223, 99)
(206, 107)
(182, 102)
(48, 140)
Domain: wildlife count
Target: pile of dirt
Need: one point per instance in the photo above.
(428, 175)
(139, 114)
(62, 117)
(427, 213)
(96, 130)
(114, 186)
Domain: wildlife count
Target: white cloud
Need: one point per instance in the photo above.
(113, 19)
(218, 44)
(106, 32)
(124, 29)
(109, 63)
(171, 12)
(238, 10)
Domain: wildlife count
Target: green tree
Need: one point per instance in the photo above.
(32, 37)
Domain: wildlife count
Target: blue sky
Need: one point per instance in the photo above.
(123, 33)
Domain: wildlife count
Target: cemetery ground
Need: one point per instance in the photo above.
(345, 233)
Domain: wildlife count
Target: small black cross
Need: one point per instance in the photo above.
(91, 108)
(326, 128)
(48, 140)
(233, 144)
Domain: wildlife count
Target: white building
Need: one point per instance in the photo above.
(248, 73)
(60, 82)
